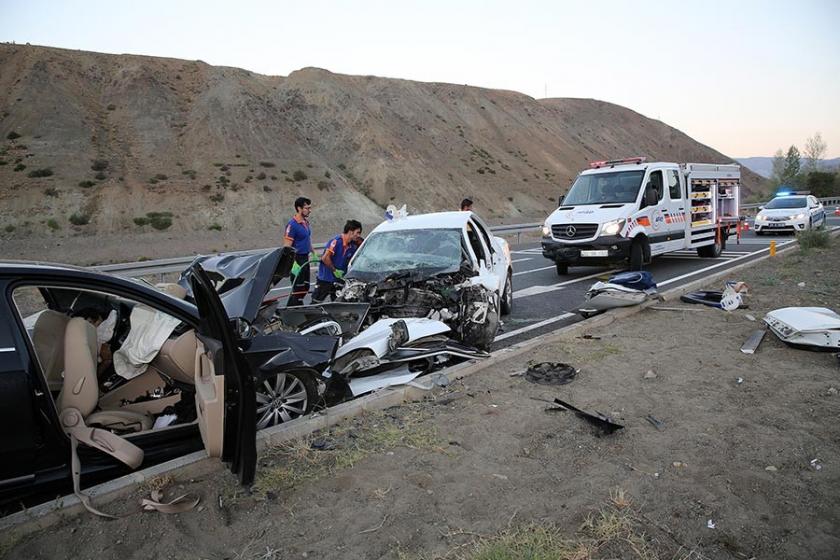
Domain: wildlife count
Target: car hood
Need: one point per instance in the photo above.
(782, 212)
(242, 281)
(416, 275)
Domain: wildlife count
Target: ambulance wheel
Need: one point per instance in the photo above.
(712, 251)
(562, 268)
(637, 255)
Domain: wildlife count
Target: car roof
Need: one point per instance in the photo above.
(435, 220)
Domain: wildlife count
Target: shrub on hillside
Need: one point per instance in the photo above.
(51, 191)
(100, 176)
(44, 172)
(266, 164)
(78, 219)
(53, 224)
(12, 135)
(160, 220)
(299, 176)
(19, 167)
(99, 165)
(86, 184)
(215, 227)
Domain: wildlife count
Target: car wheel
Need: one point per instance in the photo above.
(507, 296)
(284, 397)
(637, 255)
(562, 269)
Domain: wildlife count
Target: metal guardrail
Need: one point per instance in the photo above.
(177, 264)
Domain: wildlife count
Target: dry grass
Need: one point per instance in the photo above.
(345, 445)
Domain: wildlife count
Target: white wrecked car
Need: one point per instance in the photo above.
(445, 266)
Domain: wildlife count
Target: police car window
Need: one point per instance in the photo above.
(655, 180)
(475, 243)
(674, 185)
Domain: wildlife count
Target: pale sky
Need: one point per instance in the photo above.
(745, 77)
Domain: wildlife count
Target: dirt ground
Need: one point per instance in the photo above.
(747, 469)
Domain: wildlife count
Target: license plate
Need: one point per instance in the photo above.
(599, 253)
(776, 224)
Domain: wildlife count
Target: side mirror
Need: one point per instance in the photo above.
(650, 198)
(560, 200)
(284, 265)
(761, 207)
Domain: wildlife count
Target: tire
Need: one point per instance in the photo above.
(507, 295)
(285, 396)
(637, 256)
(712, 251)
(562, 268)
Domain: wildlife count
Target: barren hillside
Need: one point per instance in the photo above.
(164, 156)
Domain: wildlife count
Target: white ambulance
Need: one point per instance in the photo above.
(632, 210)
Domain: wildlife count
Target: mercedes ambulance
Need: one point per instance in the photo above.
(633, 210)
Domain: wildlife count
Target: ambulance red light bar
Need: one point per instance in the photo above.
(612, 162)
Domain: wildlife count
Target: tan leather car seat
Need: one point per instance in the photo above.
(80, 389)
(177, 358)
(47, 338)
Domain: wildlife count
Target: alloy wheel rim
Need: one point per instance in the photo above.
(280, 400)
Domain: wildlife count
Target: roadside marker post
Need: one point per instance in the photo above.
(773, 248)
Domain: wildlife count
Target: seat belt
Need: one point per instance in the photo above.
(105, 441)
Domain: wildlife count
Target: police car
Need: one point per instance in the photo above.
(790, 213)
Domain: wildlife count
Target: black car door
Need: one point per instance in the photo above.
(225, 395)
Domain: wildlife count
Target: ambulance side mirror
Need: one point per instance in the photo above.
(560, 200)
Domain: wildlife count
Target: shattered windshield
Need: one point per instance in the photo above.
(429, 250)
(777, 203)
(620, 187)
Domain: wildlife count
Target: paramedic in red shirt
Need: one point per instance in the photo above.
(334, 261)
(299, 236)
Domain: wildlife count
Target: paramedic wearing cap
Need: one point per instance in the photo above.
(334, 261)
(299, 237)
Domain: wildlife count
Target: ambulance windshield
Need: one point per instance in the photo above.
(620, 187)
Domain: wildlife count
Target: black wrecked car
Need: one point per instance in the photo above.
(78, 370)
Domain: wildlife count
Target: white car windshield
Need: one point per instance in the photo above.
(619, 187)
(777, 203)
(409, 250)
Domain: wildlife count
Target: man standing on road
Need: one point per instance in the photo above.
(334, 261)
(466, 205)
(299, 236)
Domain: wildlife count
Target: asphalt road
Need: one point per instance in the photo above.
(544, 301)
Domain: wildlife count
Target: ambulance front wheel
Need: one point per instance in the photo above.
(562, 268)
(637, 255)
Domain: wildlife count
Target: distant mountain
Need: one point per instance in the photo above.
(764, 165)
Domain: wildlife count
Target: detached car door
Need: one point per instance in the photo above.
(224, 388)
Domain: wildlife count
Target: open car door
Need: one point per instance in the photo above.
(224, 388)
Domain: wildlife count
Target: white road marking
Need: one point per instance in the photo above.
(533, 270)
(520, 260)
(534, 326)
(535, 290)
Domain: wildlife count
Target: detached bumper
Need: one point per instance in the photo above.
(604, 249)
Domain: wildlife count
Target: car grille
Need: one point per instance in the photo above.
(574, 231)
(782, 219)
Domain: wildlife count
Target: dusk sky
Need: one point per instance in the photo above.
(745, 77)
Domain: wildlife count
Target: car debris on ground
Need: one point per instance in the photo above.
(730, 299)
(806, 327)
(551, 373)
(624, 289)
(597, 419)
(754, 340)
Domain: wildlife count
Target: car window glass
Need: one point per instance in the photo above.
(141, 360)
(674, 185)
(484, 235)
(785, 202)
(475, 243)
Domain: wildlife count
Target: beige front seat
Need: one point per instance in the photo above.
(80, 395)
(47, 338)
(177, 358)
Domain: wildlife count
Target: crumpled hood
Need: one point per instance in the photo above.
(588, 214)
(243, 280)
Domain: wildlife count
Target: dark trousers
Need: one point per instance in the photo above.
(301, 284)
(323, 289)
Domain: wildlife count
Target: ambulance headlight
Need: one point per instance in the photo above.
(612, 228)
(546, 230)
